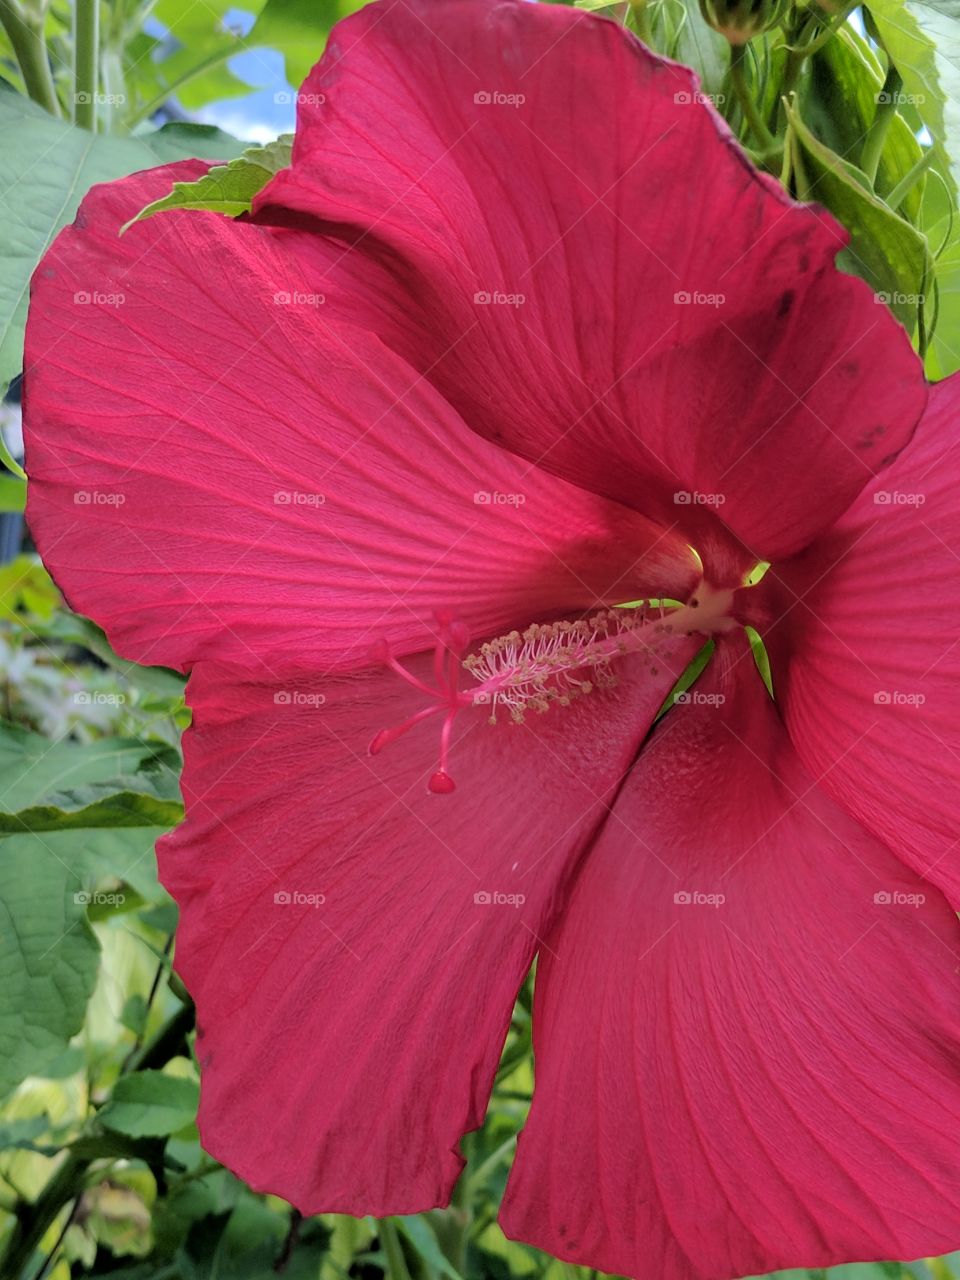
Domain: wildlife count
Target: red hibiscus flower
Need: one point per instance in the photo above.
(521, 337)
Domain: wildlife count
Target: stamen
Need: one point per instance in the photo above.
(545, 663)
(548, 663)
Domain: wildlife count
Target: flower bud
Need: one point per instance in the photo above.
(741, 20)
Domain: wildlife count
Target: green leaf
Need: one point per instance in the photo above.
(885, 250)
(943, 356)
(26, 588)
(20, 1133)
(924, 44)
(228, 188)
(697, 45)
(13, 493)
(97, 805)
(9, 461)
(839, 103)
(421, 1235)
(150, 1104)
(200, 1256)
(46, 167)
(48, 954)
(48, 959)
(71, 628)
(33, 769)
(299, 29)
(181, 140)
(105, 1145)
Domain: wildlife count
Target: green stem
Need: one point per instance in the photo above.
(795, 58)
(86, 53)
(828, 32)
(767, 142)
(51, 1256)
(31, 52)
(165, 1044)
(882, 120)
(396, 1268)
(154, 988)
(804, 189)
(896, 197)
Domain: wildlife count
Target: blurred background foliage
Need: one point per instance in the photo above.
(101, 1172)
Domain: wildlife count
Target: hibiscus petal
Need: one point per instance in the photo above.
(769, 1082)
(218, 469)
(350, 1029)
(869, 653)
(549, 226)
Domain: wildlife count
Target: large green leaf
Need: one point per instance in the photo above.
(924, 44)
(150, 1104)
(46, 167)
(885, 250)
(100, 856)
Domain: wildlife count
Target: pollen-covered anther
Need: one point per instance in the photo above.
(546, 663)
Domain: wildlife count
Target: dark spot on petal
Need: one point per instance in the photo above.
(850, 368)
(49, 273)
(80, 221)
(786, 302)
(804, 262)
